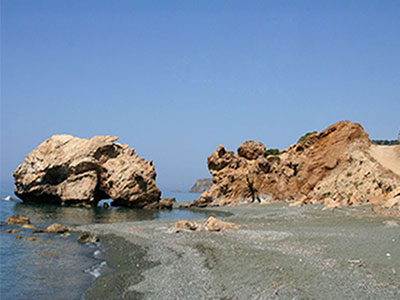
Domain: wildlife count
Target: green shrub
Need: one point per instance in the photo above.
(271, 152)
(304, 137)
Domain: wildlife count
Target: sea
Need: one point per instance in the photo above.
(56, 266)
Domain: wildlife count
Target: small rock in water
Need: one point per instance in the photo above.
(18, 219)
(18, 237)
(15, 231)
(106, 205)
(30, 239)
(7, 231)
(88, 237)
(57, 228)
(166, 203)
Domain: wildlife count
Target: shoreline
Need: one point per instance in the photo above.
(122, 257)
(279, 251)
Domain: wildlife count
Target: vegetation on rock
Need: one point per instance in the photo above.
(271, 152)
(307, 135)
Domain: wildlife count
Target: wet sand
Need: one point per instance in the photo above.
(279, 252)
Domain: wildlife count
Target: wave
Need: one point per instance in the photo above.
(95, 270)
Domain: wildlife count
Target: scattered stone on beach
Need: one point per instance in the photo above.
(391, 203)
(391, 223)
(14, 231)
(28, 226)
(88, 237)
(30, 239)
(211, 225)
(338, 166)
(57, 228)
(71, 171)
(7, 231)
(18, 219)
(185, 225)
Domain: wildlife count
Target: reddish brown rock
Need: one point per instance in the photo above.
(335, 166)
(67, 170)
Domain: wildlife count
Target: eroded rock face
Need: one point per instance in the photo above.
(251, 150)
(331, 166)
(68, 170)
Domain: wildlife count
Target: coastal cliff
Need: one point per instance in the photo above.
(336, 167)
(67, 170)
(201, 185)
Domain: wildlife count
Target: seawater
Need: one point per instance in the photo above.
(57, 267)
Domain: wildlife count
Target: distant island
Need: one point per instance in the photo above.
(201, 185)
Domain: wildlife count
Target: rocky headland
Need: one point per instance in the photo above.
(67, 170)
(201, 185)
(337, 167)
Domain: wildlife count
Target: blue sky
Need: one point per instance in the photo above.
(174, 79)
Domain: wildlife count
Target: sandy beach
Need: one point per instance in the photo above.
(279, 252)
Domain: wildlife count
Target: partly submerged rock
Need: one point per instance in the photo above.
(166, 203)
(88, 237)
(57, 228)
(18, 219)
(334, 167)
(68, 170)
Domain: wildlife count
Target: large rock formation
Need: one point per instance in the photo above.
(334, 166)
(72, 171)
(201, 185)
